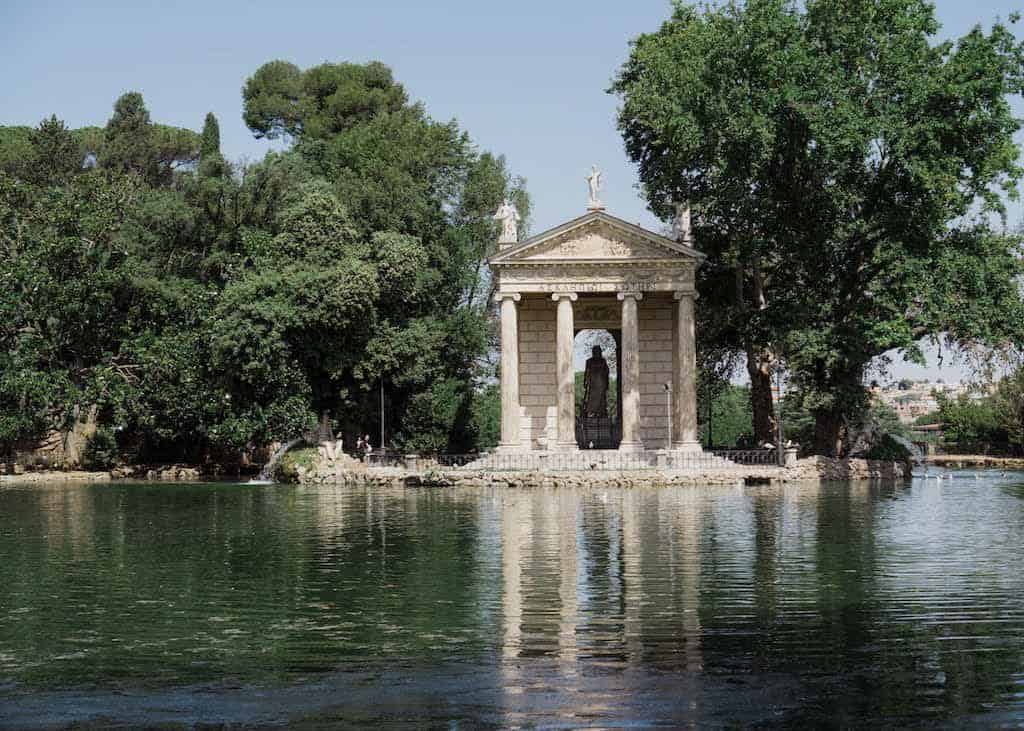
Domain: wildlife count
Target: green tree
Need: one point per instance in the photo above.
(16, 153)
(128, 137)
(133, 144)
(844, 167)
(209, 139)
(422, 197)
(487, 416)
(46, 155)
(971, 424)
(731, 424)
(211, 161)
(281, 100)
(1008, 401)
(57, 155)
(196, 310)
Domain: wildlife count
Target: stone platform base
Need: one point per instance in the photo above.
(586, 460)
(575, 470)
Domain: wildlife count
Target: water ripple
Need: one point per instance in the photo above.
(839, 605)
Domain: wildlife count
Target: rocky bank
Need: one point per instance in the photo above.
(348, 472)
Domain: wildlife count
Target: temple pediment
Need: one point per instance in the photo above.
(598, 238)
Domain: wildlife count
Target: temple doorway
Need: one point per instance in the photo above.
(597, 364)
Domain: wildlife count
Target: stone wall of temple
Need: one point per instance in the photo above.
(655, 369)
(537, 390)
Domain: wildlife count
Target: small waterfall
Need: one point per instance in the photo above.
(266, 475)
(916, 452)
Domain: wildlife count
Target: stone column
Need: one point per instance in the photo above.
(684, 404)
(630, 376)
(509, 373)
(566, 376)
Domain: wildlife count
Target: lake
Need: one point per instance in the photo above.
(134, 605)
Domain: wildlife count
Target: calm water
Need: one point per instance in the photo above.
(134, 605)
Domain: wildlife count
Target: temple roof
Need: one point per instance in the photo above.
(598, 237)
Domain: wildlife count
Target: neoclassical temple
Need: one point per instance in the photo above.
(596, 272)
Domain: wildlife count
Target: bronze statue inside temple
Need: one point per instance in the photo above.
(594, 427)
(595, 385)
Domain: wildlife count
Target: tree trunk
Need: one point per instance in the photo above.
(829, 433)
(759, 368)
(760, 360)
(82, 428)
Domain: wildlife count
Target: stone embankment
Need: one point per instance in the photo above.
(812, 469)
(166, 473)
(53, 476)
(975, 460)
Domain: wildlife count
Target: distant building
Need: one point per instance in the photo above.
(912, 399)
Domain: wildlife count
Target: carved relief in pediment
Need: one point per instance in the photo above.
(595, 242)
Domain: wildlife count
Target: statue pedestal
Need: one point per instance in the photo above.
(596, 430)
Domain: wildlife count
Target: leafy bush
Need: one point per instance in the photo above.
(972, 424)
(731, 420)
(287, 469)
(932, 417)
(439, 420)
(486, 416)
(888, 449)
(101, 451)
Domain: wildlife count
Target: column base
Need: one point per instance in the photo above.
(631, 446)
(514, 448)
(687, 447)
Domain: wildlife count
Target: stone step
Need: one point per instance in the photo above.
(598, 460)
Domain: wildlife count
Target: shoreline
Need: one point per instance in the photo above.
(148, 473)
(349, 472)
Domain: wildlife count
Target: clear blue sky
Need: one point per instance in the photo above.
(525, 79)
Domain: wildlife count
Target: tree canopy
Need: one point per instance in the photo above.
(848, 172)
(199, 307)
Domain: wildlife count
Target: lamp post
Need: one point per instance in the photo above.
(778, 418)
(668, 398)
(382, 414)
(711, 411)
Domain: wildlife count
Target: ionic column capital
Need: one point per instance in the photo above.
(501, 296)
(571, 296)
(632, 295)
(681, 295)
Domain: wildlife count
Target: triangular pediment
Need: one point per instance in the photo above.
(597, 237)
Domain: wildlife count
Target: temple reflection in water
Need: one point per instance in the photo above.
(580, 581)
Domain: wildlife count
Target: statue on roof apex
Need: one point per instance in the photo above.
(595, 181)
(508, 215)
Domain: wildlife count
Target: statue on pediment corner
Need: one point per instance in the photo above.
(508, 216)
(682, 227)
